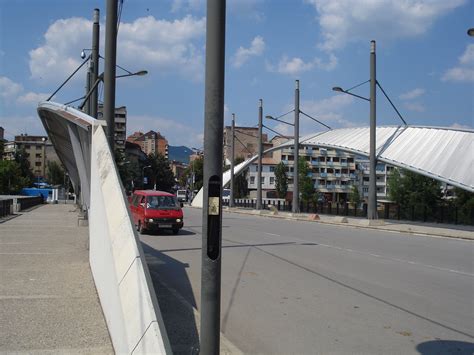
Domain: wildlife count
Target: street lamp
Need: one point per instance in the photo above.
(296, 125)
(372, 203)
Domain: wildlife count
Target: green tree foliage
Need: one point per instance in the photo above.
(240, 181)
(21, 159)
(411, 190)
(160, 172)
(464, 201)
(11, 178)
(305, 182)
(54, 173)
(196, 168)
(354, 196)
(281, 180)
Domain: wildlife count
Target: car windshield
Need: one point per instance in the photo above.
(161, 202)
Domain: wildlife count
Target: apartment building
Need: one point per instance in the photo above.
(120, 130)
(382, 173)
(268, 175)
(151, 142)
(246, 142)
(38, 149)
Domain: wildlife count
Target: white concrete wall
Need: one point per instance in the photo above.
(118, 264)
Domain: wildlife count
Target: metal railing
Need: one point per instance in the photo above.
(6, 207)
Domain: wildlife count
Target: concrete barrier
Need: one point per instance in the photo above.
(118, 264)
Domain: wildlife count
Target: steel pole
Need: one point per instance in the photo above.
(109, 70)
(212, 183)
(232, 162)
(296, 197)
(260, 154)
(88, 87)
(372, 205)
(95, 62)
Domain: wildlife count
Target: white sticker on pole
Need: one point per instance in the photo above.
(213, 206)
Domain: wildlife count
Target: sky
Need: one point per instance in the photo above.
(425, 62)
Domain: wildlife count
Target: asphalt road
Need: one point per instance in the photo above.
(292, 287)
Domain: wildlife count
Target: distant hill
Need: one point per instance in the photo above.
(180, 153)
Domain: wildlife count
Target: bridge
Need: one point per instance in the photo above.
(117, 260)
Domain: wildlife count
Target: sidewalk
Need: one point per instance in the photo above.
(429, 229)
(48, 301)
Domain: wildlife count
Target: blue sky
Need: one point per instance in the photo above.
(425, 61)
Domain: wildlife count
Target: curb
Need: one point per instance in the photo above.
(348, 224)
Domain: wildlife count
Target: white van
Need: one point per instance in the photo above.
(182, 195)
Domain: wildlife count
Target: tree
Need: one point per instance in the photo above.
(240, 181)
(11, 179)
(354, 196)
(162, 176)
(305, 182)
(412, 190)
(464, 201)
(54, 173)
(195, 168)
(21, 158)
(281, 180)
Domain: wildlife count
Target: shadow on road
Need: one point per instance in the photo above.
(176, 308)
(445, 347)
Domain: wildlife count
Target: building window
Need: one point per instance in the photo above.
(38, 155)
(272, 180)
(272, 169)
(38, 163)
(38, 147)
(252, 180)
(263, 180)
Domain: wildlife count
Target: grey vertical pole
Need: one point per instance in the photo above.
(260, 153)
(232, 162)
(212, 208)
(95, 62)
(372, 206)
(109, 70)
(296, 192)
(87, 107)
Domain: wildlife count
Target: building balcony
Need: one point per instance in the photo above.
(323, 175)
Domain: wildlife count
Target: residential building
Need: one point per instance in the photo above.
(120, 130)
(151, 142)
(245, 143)
(38, 149)
(268, 176)
(382, 173)
(178, 169)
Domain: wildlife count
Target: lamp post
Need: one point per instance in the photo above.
(260, 153)
(94, 64)
(372, 200)
(470, 32)
(232, 162)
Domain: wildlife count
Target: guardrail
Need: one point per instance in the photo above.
(28, 202)
(6, 207)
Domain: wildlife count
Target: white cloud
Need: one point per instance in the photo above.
(157, 45)
(464, 71)
(13, 92)
(9, 89)
(295, 66)
(32, 98)
(414, 106)
(344, 21)
(412, 94)
(171, 129)
(461, 126)
(243, 54)
(328, 111)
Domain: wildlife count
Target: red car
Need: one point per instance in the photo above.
(154, 210)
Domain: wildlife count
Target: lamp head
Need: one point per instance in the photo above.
(337, 88)
(83, 54)
(269, 117)
(470, 32)
(141, 73)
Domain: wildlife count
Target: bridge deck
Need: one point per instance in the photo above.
(48, 300)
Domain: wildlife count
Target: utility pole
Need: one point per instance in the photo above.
(232, 162)
(260, 153)
(109, 70)
(212, 183)
(88, 87)
(94, 64)
(372, 205)
(296, 197)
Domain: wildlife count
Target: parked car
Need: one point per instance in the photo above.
(155, 210)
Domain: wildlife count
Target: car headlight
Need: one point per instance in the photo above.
(178, 220)
(150, 219)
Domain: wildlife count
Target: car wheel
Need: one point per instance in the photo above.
(175, 231)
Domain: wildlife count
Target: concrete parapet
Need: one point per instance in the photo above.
(118, 264)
